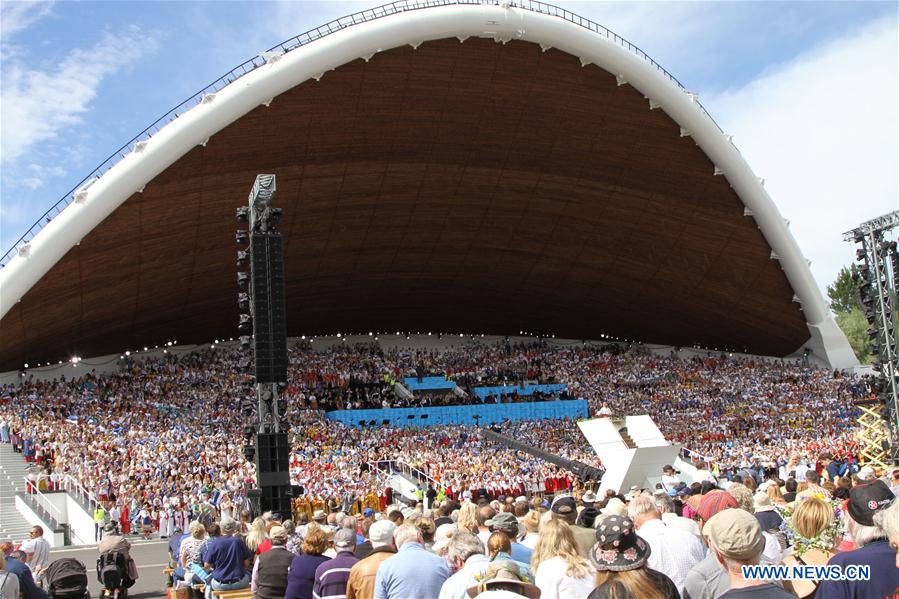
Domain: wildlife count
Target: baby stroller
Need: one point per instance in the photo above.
(112, 575)
(67, 579)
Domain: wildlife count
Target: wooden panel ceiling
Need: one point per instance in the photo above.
(474, 187)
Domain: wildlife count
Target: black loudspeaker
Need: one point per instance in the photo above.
(272, 460)
(269, 309)
(277, 499)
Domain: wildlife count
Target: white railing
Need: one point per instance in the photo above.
(32, 490)
(71, 485)
(405, 468)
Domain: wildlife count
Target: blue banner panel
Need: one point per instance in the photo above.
(470, 415)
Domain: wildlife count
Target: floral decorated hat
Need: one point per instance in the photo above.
(618, 547)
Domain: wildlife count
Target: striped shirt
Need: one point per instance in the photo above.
(332, 576)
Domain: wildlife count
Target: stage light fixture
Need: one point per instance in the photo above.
(242, 258)
(243, 280)
(241, 237)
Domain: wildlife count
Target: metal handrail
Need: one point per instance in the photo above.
(300, 40)
(72, 485)
(32, 488)
(407, 468)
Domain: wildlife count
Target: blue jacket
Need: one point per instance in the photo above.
(301, 576)
(27, 588)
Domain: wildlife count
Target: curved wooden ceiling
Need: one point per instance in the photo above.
(475, 187)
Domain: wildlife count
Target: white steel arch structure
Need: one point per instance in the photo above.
(411, 23)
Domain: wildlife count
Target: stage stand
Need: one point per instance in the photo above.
(633, 450)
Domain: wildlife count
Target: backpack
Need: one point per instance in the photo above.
(111, 570)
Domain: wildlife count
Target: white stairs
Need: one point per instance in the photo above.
(13, 526)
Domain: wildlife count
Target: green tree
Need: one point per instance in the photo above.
(855, 327)
(843, 292)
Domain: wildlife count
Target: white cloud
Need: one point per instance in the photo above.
(17, 16)
(822, 130)
(36, 105)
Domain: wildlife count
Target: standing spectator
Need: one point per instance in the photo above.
(37, 551)
(559, 570)
(707, 580)
(674, 551)
(15, 564)
(502, 580)
(228, 557)
(413, 571)
(814, 543)
(874, 549)
(888, 520)
(508, 523)
(301, 576)
(361, 584)
(100, 516)
(269, 579)
(465, 553)
(9, 582)
(619, 557)
(332, 576)
(565, 509)
(736, 540)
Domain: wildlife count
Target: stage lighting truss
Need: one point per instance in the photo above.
(878, 282)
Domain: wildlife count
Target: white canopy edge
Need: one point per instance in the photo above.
(315, 59)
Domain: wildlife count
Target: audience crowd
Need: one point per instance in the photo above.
(159, 440)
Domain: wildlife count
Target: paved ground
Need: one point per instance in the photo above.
(150, 556)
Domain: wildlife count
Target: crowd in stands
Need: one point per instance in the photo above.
(159, 441)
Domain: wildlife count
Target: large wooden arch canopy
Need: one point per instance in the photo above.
(438, 186)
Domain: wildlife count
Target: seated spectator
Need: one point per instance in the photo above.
(874, 549)
(189, 551)
(707, 580)
(228, 558)
(465, 553)
(257, 536)
(619, 557)
(413, 571)
(269, 580)
(361, 584)
(559, 570)
(301, 576)
(736, 539)
(332, 576)
(888, 521)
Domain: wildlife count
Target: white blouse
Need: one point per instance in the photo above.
(554, 582)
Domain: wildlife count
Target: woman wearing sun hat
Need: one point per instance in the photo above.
(619, 557)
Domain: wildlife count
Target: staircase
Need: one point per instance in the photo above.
(13, 526)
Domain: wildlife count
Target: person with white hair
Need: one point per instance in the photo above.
(888, 521)
(465, 552)
(874, 550)
(673, 552)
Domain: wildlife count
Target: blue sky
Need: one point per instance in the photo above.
(78, 79)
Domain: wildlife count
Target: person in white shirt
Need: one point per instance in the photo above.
(674, 551)
(466, 552)
(605, 411)
(669, 477)
(37, 551)
(560, 572)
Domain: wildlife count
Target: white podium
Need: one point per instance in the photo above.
(635, 457)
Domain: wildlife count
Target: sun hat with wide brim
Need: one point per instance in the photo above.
(504, 573)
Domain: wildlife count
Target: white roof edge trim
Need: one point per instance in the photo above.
(308, 61)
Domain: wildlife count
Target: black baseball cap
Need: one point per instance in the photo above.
(867, 499)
